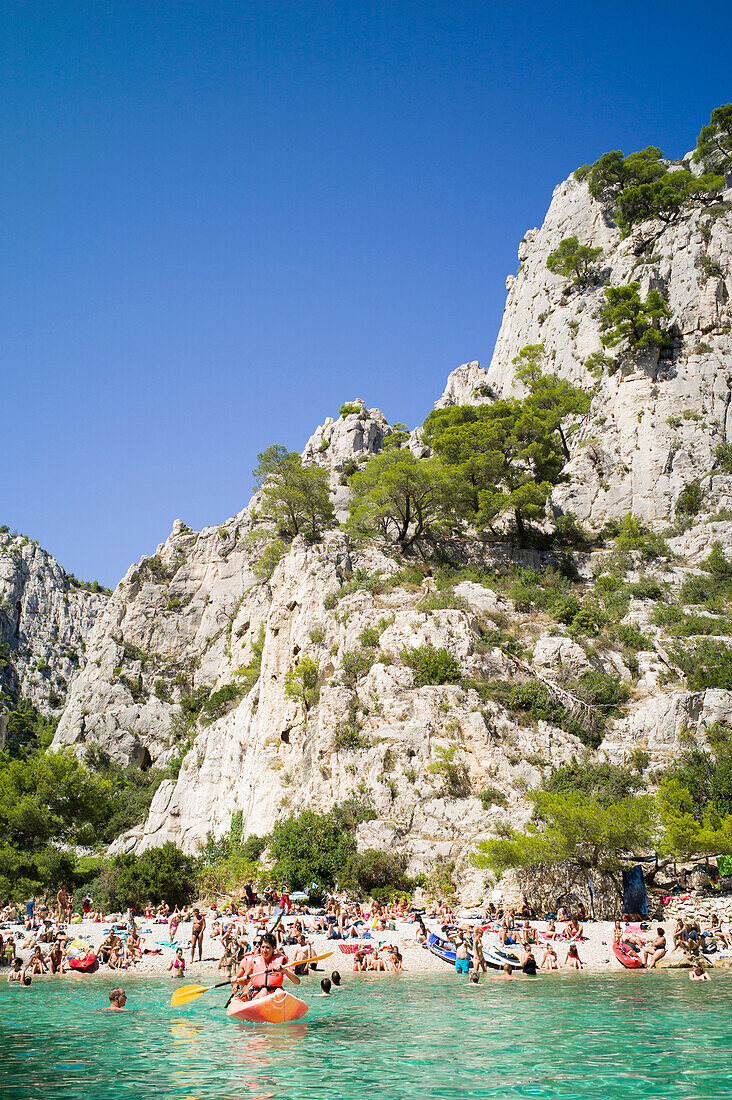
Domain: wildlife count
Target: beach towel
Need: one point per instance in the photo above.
(634, 892)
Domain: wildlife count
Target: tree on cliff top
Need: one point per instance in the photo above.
(296, 497)
(714, 145)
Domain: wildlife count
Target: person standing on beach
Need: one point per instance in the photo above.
(197, 930)
(480, 963)
(462, 957)
(62, 900)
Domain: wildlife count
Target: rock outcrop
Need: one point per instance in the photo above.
(274, 692)
(45, 620)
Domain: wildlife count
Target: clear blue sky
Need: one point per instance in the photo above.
(221, 220)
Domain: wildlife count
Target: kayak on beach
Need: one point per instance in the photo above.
(279, 1007)
(626, 953)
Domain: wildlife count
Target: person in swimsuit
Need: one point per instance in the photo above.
(528, 962)
(117, 1001)
(549, 958)
(572, 960)
(173, 925)
(261, 974)
(197, 930)
(696, 974)
(656, 950)
(16, 974)
(178, 964)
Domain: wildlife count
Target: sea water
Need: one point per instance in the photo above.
(383, 1037)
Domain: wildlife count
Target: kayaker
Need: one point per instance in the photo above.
(261, 974)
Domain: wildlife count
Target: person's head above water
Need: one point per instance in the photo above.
(325, 986)
(335, 977)
(117, 997)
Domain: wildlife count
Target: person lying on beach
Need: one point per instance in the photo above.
(549, 959)
(655, 950)
(178, 964)
(572, 960)
(698, 973)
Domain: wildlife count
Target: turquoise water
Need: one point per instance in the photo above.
(431, 1037)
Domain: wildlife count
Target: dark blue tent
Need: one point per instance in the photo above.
(634, 892)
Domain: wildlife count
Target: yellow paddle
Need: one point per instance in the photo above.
(188, 993)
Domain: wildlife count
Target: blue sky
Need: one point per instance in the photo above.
(223, 220)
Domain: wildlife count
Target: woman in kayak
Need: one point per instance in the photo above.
(261, 974)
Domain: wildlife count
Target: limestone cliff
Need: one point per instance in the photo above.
(295, 689)
(45, 619)
(656, 421)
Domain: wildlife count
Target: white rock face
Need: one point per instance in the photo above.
(654, 425)
(196, 617)
(45, 620)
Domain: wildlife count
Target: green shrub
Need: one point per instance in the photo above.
(376, 873)
(249, 674)
(432, 666)
(369, 637)
(723, 455)
(269, 559)
(454, 773)
(590, 619)
(707, 665)
(492, 796)
(221, 701)
(631, 636)
(356, 663)
(645, 589)
(350, 410)
(634, 535)
(348, 737)
(302, 682)
(317, 635)
(690, 500)
(565, 608)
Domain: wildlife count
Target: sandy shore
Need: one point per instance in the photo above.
(595, 950)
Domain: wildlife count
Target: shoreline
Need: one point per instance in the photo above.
(595, 950)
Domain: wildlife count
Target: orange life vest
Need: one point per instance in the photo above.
(265, 976)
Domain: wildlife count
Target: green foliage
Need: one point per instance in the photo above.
(301, 682)
(28, 731)
(369, 637)
(432, 666)
(627, 319)
(249, 674)
(130, 791)
(599, 362)
(492, 796)
(165, 872)
(269, 559)
(378, 874)
(452, 771)
(574, 831)
(221, 701)
(398, 497)
(641, 186)
(690, 500)
(714, 145)
(507, 455)
(565, 608)
(575, 262)
(723, 455)
(356, 663)
(296, 497)
(707, 664)
(634, 535)
(310, 848)
(350, 410)
(605, 783)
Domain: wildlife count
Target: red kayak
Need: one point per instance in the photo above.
(627, 954)
(278, 1008)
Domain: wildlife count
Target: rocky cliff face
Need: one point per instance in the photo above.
(296, 690)
(45, 619)
(655, 422)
